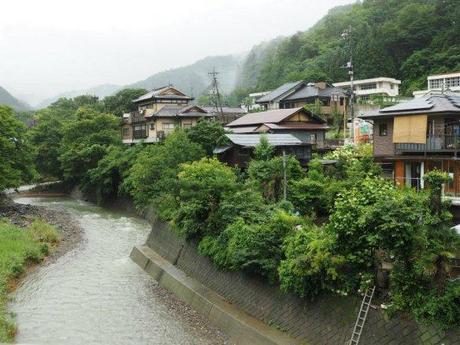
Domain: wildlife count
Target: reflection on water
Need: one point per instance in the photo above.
(95, 294)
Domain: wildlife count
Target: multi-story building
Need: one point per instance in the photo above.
(441, 82)
(365, 88)
(161, 110)
(417, 136)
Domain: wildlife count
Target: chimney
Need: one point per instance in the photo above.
(321, 85)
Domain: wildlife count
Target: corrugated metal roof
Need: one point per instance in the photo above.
(271, 116)
(430, 104)
(279, 91)
(252, 140)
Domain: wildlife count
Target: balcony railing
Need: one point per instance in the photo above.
(441, 143)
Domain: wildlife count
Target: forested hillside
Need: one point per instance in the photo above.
(404, 39)
(7, 99)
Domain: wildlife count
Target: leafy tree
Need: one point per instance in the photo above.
(122, 101)
(85, 141)
(207, 134)
(202, 186)
(266, 172)
(154, 173)
(16, 163)
(107, 177)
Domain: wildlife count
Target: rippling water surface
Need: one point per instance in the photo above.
(95, 294)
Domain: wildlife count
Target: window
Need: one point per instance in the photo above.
(371, 86)
(125, 132)
(186, 124)
(383, 129)
(168, 126)
(152, 126)
(341, 100)
(435, 84)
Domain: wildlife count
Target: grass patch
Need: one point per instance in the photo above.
(19, 248)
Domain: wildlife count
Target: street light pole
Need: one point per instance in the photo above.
(346, 35)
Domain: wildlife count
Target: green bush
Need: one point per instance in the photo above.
(155, 170)
(202, 186)
(310, 265)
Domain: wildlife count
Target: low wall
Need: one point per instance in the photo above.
(326, 320)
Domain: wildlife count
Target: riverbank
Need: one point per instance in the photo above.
(29, 235)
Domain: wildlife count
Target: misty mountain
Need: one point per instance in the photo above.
(100, 91)
(8, 99)
(194, 79)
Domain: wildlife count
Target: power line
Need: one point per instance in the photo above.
(216, 93)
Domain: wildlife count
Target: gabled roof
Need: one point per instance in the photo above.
(166, 92)
(309, 91)
(271, 116)
(281, 91)
(434, 103)
(171, 110)
(295, 125)
(252, 140)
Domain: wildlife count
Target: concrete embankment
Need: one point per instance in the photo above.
(242, 328)
(325, 320)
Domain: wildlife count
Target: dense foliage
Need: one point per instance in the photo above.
(16, 159)
(403, 39)
(325, 230)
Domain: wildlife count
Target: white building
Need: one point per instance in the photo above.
(254, 97)
(364, 88)
(441, 82)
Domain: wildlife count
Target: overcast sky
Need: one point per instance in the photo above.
(52, 46)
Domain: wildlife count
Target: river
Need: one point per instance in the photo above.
(95, 294)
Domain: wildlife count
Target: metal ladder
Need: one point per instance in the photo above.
(359, 325)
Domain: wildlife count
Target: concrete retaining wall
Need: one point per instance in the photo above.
(326, 320)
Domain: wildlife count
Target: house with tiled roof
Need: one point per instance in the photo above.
(299, 122)
(417, 136)
(161, 110)
(326, 98)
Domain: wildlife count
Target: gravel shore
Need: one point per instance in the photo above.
(72, 236)
(23, 214)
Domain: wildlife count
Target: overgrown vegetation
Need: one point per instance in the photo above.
(403, 39)
(19, 248)
(326, 230)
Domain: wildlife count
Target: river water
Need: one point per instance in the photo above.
(95, 294)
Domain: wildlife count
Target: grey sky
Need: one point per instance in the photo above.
(52, 46)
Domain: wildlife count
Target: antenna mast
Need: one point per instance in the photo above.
(216, 93)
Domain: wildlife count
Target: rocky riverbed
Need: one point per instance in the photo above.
(187, 326)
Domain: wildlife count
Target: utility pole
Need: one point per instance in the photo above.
(216, 93)
(346, 35)
(284, 176)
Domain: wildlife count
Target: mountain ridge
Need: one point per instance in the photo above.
(8, 99)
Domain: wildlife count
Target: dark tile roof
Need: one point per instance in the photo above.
(434, 103)
(156, 93)
(271, 116)
(283, 89)
(170, 110)
(296, 125)
(309, 91)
